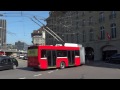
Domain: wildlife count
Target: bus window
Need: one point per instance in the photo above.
(77, 53)
(43, 53)
(61, 53)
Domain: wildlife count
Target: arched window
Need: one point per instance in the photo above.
(90, 20)
(102, 33)
(113, 14)
(113, 30)
(101, 17)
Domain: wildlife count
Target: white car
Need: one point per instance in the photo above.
(21, 56)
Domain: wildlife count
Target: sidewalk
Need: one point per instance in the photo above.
(102, 64)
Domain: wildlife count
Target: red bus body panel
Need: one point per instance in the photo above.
(59, 48)
(2, 53)
(77, 61)
(33, 62)
(43, 63)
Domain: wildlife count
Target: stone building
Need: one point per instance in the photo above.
(97, 31)
(38, 36)
(2, 33)
(21, 46)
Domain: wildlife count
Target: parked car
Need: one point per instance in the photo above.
(8, 63)
(21, 56)
(25, 58)
(114, 58)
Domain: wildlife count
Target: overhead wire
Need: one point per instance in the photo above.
(44, 29)
(48, 29)
(18, 14)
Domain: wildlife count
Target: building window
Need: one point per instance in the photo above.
(101, 17)
(84, 36)
(102, 33)
(91, 35)
(77, 37)
(77, 25)
(90, 20)
(113, 30)
(83, 22)
(112, 15)
(77, 15)
(66, 37)
(83, 13)
(72, 38)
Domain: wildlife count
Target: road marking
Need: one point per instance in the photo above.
(50, 72)
(37, 75)
(23, 78)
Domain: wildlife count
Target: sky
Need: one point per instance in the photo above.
(20, 26)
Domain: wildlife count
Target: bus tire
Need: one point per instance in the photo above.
(62, 65)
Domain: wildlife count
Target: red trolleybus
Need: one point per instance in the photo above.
(58, 56)
(2, 53)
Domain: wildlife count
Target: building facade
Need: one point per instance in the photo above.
(2, 33)
(21, 46)
(38, 36)
(97, 31)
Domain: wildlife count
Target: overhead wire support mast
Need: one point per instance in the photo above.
(50, 31)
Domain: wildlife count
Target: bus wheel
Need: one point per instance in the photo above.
(62, 65)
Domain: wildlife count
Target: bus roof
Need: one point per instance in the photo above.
(51, 47)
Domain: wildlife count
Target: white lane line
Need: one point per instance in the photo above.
(37, 75)
(50, 72)
(23, 78)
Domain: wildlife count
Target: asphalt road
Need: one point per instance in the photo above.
(96, 70)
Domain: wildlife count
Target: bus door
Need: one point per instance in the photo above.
(51, 57)
(54, 57)
(71, 57)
